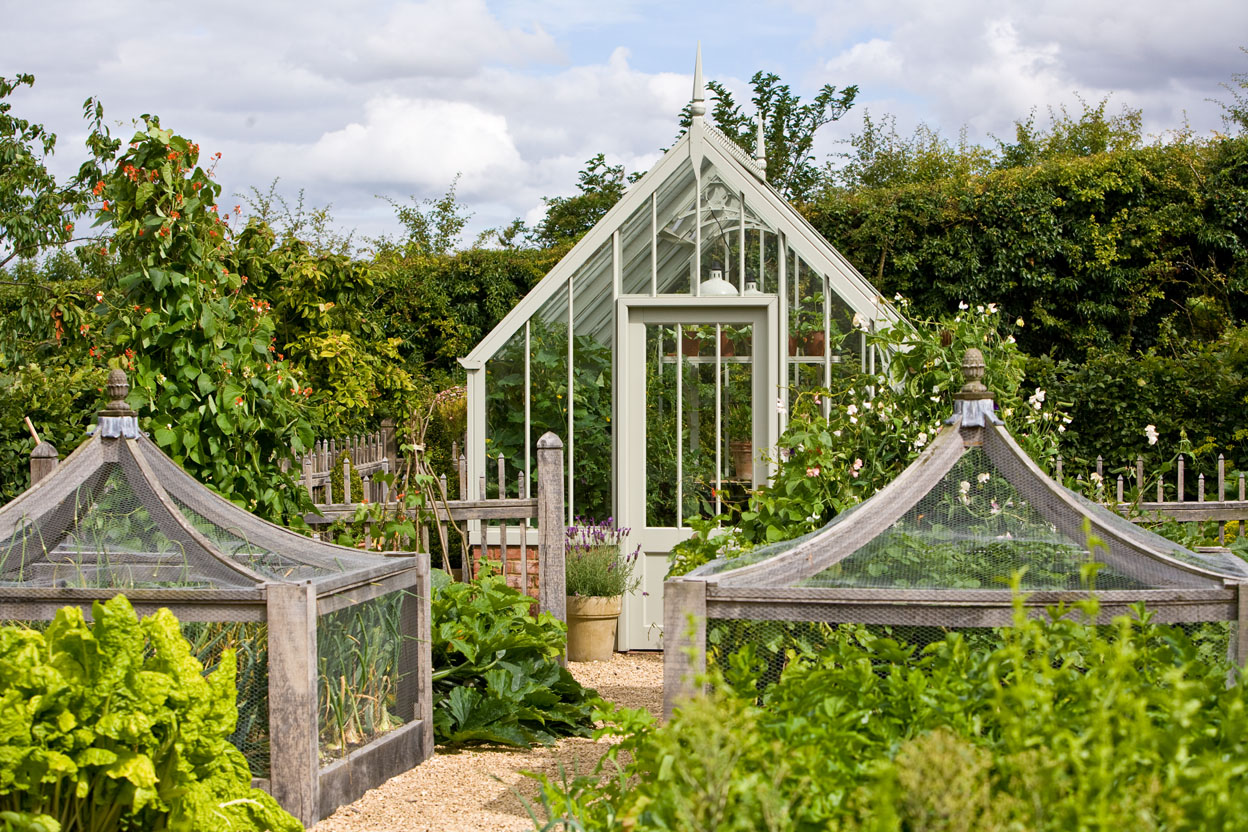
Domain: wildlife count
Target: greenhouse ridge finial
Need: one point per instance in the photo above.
(760, 148)
(697, 107)
(117, 419)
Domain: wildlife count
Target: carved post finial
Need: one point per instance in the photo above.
(973, 371)
(118, 387)
(973, 404)
(697, 106)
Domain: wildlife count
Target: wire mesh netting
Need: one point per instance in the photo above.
(765, 648)
(101, 535)
(362, 660)
(973, 530)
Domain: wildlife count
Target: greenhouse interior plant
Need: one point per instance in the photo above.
(598, 576)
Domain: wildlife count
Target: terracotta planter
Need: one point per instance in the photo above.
(591, 627)
(742, 451)
(810, 344)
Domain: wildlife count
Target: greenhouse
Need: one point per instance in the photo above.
(332, 644)
(688, 317)
(938, 549)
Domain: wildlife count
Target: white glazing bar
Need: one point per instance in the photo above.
(741, 246)
(827, 345)
(571, 458)
(528, 410)
(680, 427)
(762, 260)
(654, 244)
(616, 266)
(782, 339)
(862, 344)
(696, 277)
(795, 314)
(719, 417)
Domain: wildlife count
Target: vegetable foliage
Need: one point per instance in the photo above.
(113, 725)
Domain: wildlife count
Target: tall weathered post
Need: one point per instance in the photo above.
(552, 589)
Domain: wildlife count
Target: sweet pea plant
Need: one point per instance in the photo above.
(845, 442)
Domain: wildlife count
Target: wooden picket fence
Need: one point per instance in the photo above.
(523, 535)
(1174, 500)
(369, 454)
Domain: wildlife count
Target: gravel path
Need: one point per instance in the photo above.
(458, 790)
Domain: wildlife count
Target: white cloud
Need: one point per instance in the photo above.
(411, 143)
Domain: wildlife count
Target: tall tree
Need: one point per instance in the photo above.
(789, 127)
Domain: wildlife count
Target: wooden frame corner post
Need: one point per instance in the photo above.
(552, 590)
(684, 640)
(294, 752)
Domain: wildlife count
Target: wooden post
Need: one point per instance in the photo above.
(346, 479)
(1240, 642)
(1139, 478)
(684, 640)
(294, 763)
(552, 589)
(389, 442)
(43, 461)
(1179, 487)
(1057, 475)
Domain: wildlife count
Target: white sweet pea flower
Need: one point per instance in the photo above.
(984, 477)
(1019, 323)
(852, 409)
(1150, 431)
(963, 305)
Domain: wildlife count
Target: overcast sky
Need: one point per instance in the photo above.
(348, 100)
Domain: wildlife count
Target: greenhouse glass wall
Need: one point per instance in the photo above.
(664, 349)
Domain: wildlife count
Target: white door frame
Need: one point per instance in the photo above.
(642, 616)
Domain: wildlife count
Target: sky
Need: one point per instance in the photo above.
(349, 101)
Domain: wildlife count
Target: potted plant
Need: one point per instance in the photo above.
(806, 332)
(740, 431)
(598, 575)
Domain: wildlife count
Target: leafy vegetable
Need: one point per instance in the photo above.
(113, 725)
(496, 674)
(1046, 725)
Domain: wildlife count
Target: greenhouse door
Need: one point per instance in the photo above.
(694, 411)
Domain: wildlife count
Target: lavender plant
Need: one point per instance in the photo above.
(595, 564)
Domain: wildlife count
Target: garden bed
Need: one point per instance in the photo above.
(476, 789)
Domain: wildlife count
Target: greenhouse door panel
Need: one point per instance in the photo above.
(694, 413)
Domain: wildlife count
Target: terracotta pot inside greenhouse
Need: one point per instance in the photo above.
(742, 451)
(591, 627)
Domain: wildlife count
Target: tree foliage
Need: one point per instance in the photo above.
(35, 210)
(567, 218)
(789, 127)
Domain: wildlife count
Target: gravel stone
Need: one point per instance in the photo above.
(476, 789)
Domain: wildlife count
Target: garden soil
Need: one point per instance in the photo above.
(476, 789)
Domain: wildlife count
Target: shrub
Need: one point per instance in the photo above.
(113, 725)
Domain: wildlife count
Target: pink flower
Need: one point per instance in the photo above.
(812, 471)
